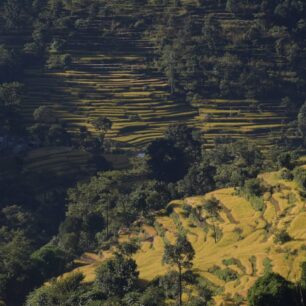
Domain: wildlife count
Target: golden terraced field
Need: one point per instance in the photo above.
(246, 239)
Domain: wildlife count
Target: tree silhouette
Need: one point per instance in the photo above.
(179, 255)
(212, 207)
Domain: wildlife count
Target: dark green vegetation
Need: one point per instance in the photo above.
(83, 81)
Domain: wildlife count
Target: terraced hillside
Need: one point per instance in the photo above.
(260, 120)
(110, 76)
(245, 246)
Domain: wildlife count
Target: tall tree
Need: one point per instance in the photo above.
(212, 206)
(166, 162)
(302, 121)
(179, 255)
(117, 276)
(102, 125)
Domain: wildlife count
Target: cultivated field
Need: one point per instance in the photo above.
(245, 242)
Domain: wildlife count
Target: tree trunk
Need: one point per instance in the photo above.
(301, 294)
(180, 285)
(107, 219)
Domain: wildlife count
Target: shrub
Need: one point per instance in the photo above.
(286, 174)
(282, 237)
(300, 177)
(286, 160)
(186, 210)
(267, 263)
(226, 274)
(253, 261)
(253, 187)
(59, 61)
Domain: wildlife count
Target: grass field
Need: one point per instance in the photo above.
(245, 244)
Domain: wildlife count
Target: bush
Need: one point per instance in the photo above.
(300, 177)
(253, 187)
(282, 237)
(59, 61)
(267, 263)
(286, 174)
(286, 160)
(226, 274)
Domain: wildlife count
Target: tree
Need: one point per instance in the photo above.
(198, 180)
(49, 261)
(183, 138)
(102, 125)
(149, 196)
(14, 14)
(166, 162)
(65, 291)
(58, 135)
(271, 289)
(8, 67)
(212, 206)
(302, 284)
(11, 96)
(302, 120)
(45, 114)
(117, 276)
(179, 255)
(15, 265)
(128, 248)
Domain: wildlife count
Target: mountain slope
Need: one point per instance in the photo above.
(245, 243)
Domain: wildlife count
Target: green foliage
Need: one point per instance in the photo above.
(198, 180)
(15, 13)
(234, 261)
(184, 138)
(300, 177)
(56, 61)
(149, 195)
(286, 174)
(49, 261)
(267, 263)
(11, 98)
(15, 267)
(271, 289)
(102, 124)
(282, 237)
(252, 191)
(253, 187)
(129, 248)
(166, 162)
(117, 276)
(179, 255)
(45, 114)
(235, 163)
(226, 274)
(287, 160)
(253, 262)
(60, 292)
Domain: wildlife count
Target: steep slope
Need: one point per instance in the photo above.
(109, 77)
(112, 75)
(245, 238)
